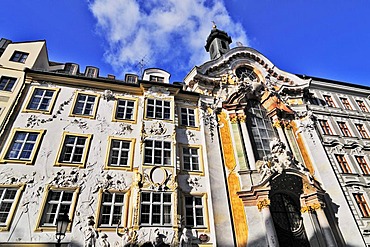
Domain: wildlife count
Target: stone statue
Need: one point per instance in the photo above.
(90, 233)
(189, 238)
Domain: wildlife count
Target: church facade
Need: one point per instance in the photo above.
(239, 154)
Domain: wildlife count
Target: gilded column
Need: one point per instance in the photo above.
(264, 208)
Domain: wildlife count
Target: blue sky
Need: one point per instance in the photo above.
(328, 39)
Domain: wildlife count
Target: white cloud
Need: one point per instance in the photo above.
(168, 34)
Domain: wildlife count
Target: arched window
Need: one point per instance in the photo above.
(260, 128)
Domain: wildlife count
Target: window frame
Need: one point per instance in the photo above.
(346, 104)
(35, 148)
(8, 78)
(153, 148)
(196, 117)
(361, 129)
(134, 114)
(205, 227)
(85, 151)
(125, 205)
(343, 163)
(200, 159)
(95, 107)
(365, 210)
(170, 119)
(363, 164)
(20, 188)
(325, 127)
(151, 204)
(329, 101)
(76, 191)
(344, 129)
(130, 154)
(51, 104)
(21, 58)
(361, 104)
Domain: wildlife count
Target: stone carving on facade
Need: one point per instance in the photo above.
(34, 120)
(157, 128)
(357, 150)
(128, 237)
(305, 122)
(190, 135)
(156, 178)
(74, 178)
(194, 182)
(265, 203)
(278, 160)
(106, 181)
(156, 238)
(159, 92)
(124, 129)
(108, 95)
(209, 119)
(90, 233)
(103, 241)
(81, 124)
(189, 238)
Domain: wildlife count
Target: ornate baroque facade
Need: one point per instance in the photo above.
(239, 154)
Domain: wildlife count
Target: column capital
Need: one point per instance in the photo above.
(312, 207)
(265, 203)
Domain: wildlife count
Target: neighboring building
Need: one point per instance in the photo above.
(241, 154)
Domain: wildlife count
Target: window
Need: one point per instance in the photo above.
(41, 100)
(159, 109)
(85, 105)
(362, 204)
(131, 79)
(9, 197)
(7, 83)
(363, 164)
(344, 129)
(325, 127)
(156, 78)
(120, 154)
(111, 209)
(346, 103)
(157, 152)
(190, 156)
(23, 146)
(194, 211)
(329, 101)
(19, 57)
(362, 106)
(74, 150)
(260, 128)
(125, 110)
(343, 163)
(155, 208)
(187, 116)
(59, 201)
(361, 129)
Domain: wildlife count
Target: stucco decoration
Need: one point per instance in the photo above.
(108, 95)
(90, 233)
(189, 238)
(156, 178)
(103, 241)
(278, 160)
(159, 92)
(156, 237)
(71, 178)
(305, 123)
(194, 182)
(156, 128)
(123, 129)
(190, 135)
(209, 118)
(37, 120)
(81, 124)
(105, 181)
(128, 237)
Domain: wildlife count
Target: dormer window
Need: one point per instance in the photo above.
(131, 79)
(156, 78)
(19, 57)
(91, 72)
(71, 68)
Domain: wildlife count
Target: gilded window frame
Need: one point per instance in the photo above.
(135, 114)
(15, 203)
(172, 111)
(125, 213)
(9, 142)
(48, 188)
(51, 105)
(173, 149)
(95, 109)
(204, 196)
(131, 154)
(85, 153)
(200, 159)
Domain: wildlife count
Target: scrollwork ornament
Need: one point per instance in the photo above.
(265, 203)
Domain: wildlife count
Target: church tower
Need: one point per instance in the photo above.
(217, 43)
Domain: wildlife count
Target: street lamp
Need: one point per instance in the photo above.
(62, 224)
